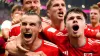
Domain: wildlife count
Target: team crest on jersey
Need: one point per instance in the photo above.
(88, 54)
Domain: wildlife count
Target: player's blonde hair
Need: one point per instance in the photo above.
(95, 6)
(49, 3)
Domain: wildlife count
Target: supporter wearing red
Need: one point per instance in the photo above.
(34, 5)
(75, 44)
(56, 18)
(29, 39)
(16, 13)
(94, 18)
(56, 11)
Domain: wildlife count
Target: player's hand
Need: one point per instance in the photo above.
(98, 4)
(11, 38)
(40, 53)
(16, 18)
(18, 40)
(19, 44)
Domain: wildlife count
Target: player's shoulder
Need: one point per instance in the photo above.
(51, 29)
(50, 44)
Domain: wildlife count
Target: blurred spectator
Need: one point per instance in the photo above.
(16, 13)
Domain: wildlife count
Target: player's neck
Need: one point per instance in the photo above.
(35, 45)
(59, 25)
(78, 41)
(95, 24)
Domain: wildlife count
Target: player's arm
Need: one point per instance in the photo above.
(92, 34)
(50, 32)
(11, 47)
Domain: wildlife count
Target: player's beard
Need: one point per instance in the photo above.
(76, 35)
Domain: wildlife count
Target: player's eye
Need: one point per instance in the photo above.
(32, 24)
(24, 24)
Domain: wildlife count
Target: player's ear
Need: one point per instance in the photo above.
(48, 13)
(40, 28)
(11, 15)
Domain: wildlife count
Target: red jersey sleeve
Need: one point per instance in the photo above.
(90, 33)
(50, 32)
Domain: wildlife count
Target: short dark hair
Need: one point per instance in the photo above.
(31, 12)
(75, 10)
(16, 7)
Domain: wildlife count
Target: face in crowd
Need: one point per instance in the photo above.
(94, 14)
(16, 15)
(75, 22)
(30, 27)
(56, 9)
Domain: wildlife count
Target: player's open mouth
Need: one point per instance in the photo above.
(75, 27)
(60, 14)
(27, 35)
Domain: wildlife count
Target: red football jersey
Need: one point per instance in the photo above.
(97, 28)
(15, 30)
(50, 31)
(91, 32)
(49, 48)
(61, 39)
(91, 48)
